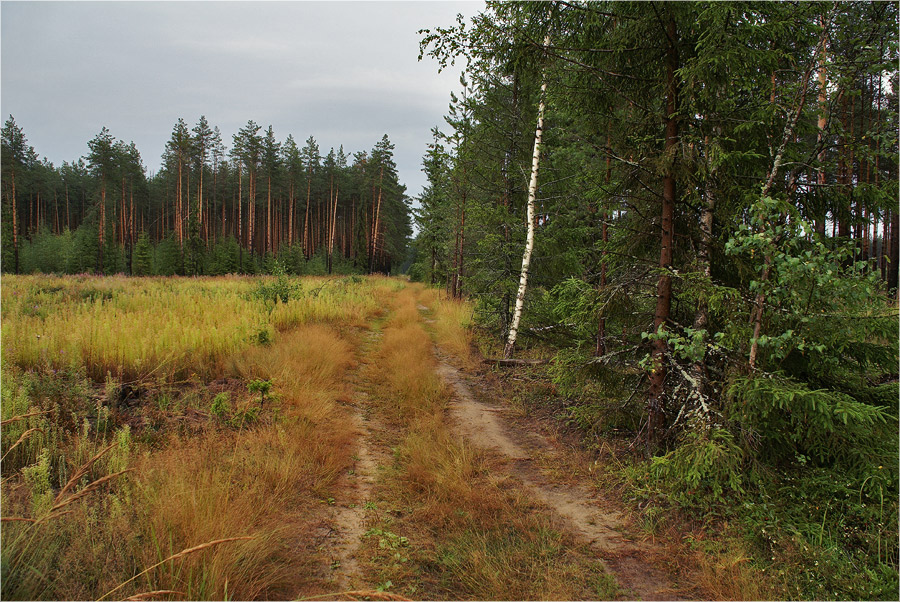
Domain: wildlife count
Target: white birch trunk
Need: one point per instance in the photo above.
(529, 238)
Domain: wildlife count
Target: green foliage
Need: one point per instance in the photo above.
(707, 459)
(195, 177)
(113, 255)
(46, 253)
(828, 332)
(812, 285)
(194, 250)
(316, 266)
(788, 419)
(263, 337)
(58, 401)
(387, 540)
(37, 476)
(7, 248)
(823, 535)
(280, 290)
(260, 386)
(220, 406)
(293, 258)
(568, 371)
(578, 305)
(244, 418)
(167, 259)
(142, 256)
(83, 255)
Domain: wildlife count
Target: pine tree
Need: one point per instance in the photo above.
(202, 145)
(271, 164)
(15, 153)
(178, 151)
(311, 159)
(102, 161)
(142, 260)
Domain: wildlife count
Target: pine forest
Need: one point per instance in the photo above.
(637, 337)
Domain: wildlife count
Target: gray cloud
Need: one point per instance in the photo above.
(344, 72)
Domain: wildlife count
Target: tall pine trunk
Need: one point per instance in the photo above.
(102, 230)
(240, 219)
(823, 97)
(376, 221)
(894, 251)
(337, 192)
(656, 400)
(15, 229)
(291, 213)
(600, 349)
(306, 219)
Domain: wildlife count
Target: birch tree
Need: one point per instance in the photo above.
(529, 217)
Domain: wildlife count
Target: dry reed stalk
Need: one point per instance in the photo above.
(90, 487)
(53, 515)
(20, 519)
(375, 595)
(180, 554)
(81, 472)
(357, 594)
(150, 595)
(21, 439)
(22, 417)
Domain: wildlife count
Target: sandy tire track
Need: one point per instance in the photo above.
(487, 427)
(349, 518)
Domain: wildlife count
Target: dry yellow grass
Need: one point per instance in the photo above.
(262, 482)
(226, 486)
(135, 328)
(472, 534)
(404, 365)
(452, 319)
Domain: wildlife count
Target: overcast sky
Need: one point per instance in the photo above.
(343, 72)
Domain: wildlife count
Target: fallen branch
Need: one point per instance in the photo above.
(513, 362)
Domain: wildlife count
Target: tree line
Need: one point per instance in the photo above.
(210, 209)
(695, 205)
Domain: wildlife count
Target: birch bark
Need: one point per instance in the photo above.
(529, 219)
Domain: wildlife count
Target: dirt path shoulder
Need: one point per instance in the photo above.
(582, 512)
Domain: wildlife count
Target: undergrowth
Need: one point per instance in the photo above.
(815, 519)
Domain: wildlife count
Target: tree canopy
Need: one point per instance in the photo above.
(716, 232)
(208, 210)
